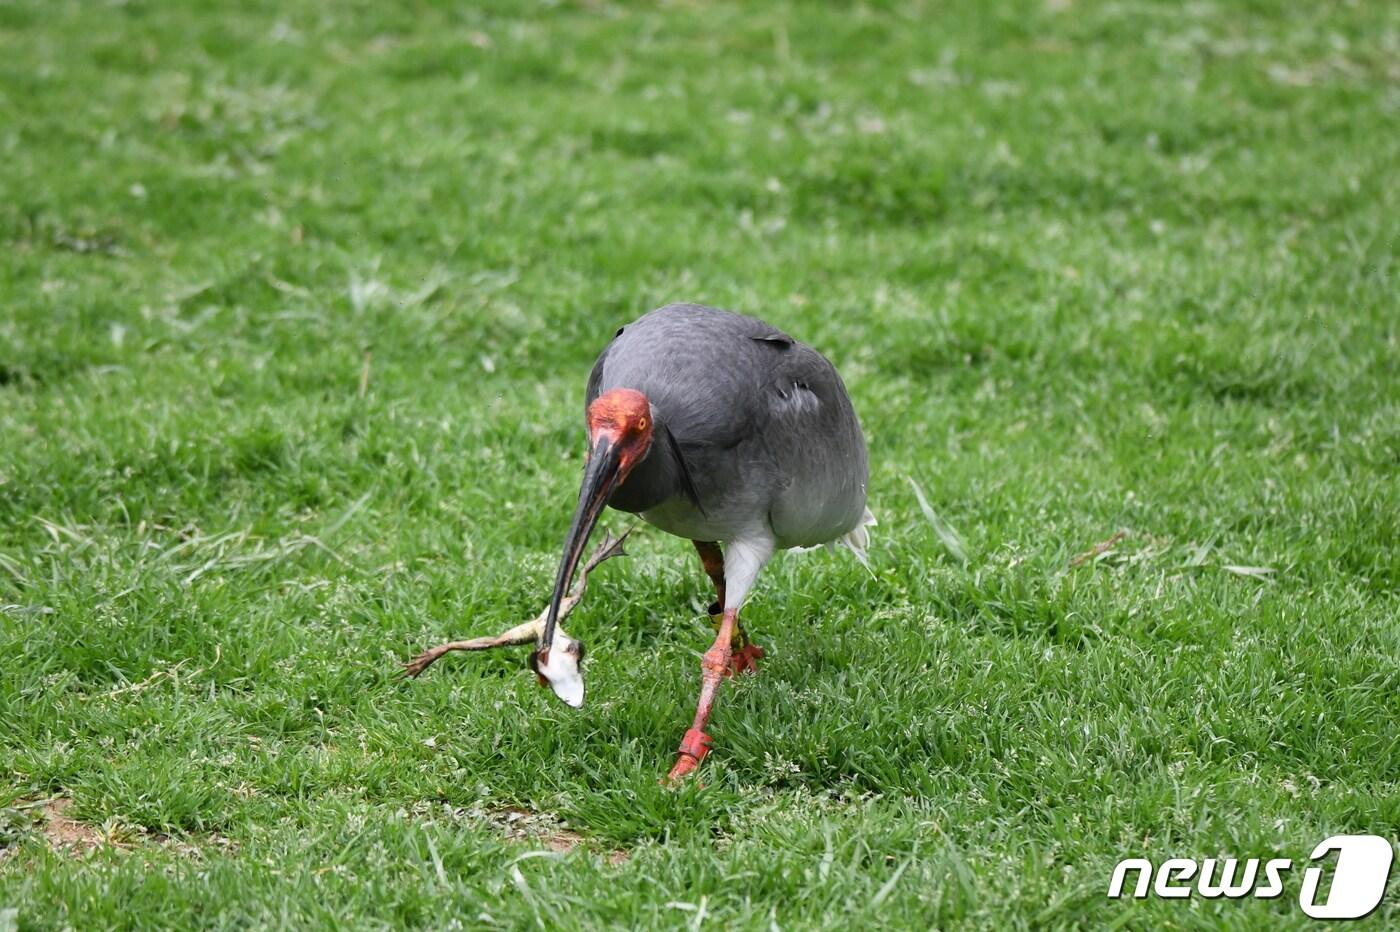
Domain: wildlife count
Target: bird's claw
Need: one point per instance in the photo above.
(744, 659)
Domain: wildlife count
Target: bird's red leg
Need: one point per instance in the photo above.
(714, 667)
(712, 559)
(745, 654)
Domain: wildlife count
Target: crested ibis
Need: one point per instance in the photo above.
(721, 429)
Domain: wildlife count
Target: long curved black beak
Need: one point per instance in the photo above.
(599, 479)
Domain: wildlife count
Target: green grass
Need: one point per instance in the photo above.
(1084, 266)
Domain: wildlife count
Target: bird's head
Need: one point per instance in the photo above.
(619, 437)
(622, 417)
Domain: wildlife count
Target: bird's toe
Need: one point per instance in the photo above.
(684, 767)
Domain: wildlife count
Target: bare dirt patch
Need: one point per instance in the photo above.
(49, 819)
(52, 820)
(518, 824)
(64, 833)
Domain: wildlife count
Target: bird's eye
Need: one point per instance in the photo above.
(641, 423)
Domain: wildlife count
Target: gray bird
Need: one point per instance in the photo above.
(721, 429)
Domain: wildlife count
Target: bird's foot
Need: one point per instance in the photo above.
(694, 746)
(744, 659)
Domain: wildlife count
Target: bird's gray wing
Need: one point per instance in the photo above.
(812, 438)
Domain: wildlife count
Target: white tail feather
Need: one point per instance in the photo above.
(857, 539)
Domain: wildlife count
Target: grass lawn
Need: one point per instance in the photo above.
(297, 302)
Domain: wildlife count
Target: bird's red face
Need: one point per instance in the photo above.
(619, 437)
(623, 418)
